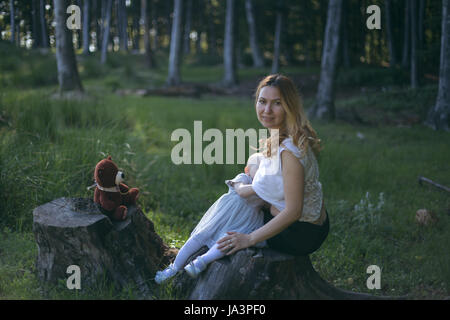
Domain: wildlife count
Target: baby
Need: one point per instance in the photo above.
(238, 210)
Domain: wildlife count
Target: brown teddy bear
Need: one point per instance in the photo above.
(110, 193)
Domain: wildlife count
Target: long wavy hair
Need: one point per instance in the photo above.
(296, 123)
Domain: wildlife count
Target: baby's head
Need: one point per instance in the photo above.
(253, 164)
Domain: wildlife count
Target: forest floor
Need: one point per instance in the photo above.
(372, 157)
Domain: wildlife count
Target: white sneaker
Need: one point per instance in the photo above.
(167, 273)
(195, 267)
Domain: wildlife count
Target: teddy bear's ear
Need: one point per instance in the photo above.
(109, 158)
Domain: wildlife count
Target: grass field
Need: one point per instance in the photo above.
(49, 148)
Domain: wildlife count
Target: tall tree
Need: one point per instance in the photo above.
(145, 24)
(390, 33)
(229, 57)
(122, 23)
(324, 107)
(187, 28)
(86, 24)
(13, 21)
(68, 77)
(175, 45)
(258, 60)
(345, 50)
(277, 38)
(407, 35)
(106, 22)
(414, 44)
(44, 34)
(35, 23)
(439, 115)
(212, 43)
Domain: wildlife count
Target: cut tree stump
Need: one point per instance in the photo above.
(261, 274)
(73, 231)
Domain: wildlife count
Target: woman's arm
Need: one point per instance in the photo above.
(293, 180)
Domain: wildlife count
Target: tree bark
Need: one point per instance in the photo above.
(229, 55)
(258, 59)
(174, 77)
(212, 41)
(187, 29)
(145, 24)
(324, 107)
(73, 231)
(44, 34)
(12, 21)
(439, 115)
(414, 45)
(86, 25)
(35, 24)
(407, 35)
(68, 77)
(106, 23)
(390, 34)
(277, 38)
(122, 24)
(345, 51)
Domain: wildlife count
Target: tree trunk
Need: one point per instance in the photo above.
(72, 231)
(122, 23)
(390, 34)
(229, 57)
(35, 24)
(68, 77)
(106, 27)
(175, 44)
(277, 38)
(439, 115)
(187, 29)
(212, 42)
(12, 21)
(345, 52)
(86, 24)
(414, 45)
(136, 33)
(258, 59)
(154, 19)
(324, 107)
(407, 35)
(260, 274)
(149, 61)
(44, 33)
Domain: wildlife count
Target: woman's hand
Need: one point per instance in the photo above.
(233, 242)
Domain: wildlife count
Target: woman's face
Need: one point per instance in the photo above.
(269, 110)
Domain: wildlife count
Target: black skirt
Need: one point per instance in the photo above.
(300, 238)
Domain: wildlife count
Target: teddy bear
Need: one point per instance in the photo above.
(110, 193)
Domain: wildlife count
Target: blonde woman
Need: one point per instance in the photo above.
(298, 222)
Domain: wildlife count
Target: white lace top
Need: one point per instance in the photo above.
(268, 181)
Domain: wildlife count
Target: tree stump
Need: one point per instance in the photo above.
(260, 274)
(74, 232)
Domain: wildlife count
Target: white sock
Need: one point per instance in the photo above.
(189, 248)
(212, 254)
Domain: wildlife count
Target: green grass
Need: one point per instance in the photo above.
(49, 148)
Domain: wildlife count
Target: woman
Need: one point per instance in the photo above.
(298, 223)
